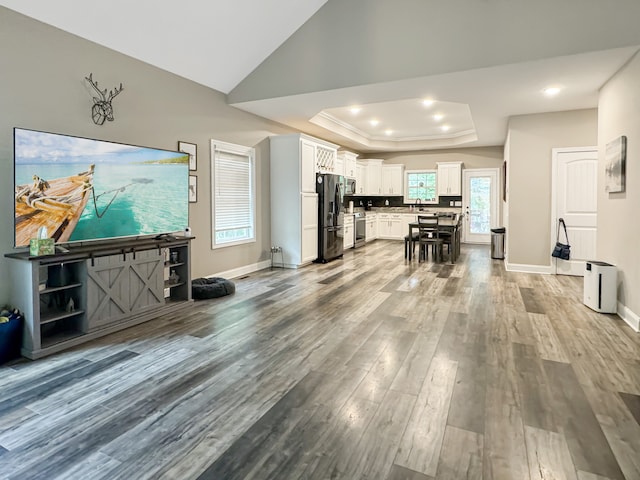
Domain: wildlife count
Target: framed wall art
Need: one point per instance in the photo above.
(615, 165)
(192, 150)
(193, 189)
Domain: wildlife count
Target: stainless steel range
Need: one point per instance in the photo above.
(360, 229)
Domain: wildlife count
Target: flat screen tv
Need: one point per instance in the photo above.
(82, 189)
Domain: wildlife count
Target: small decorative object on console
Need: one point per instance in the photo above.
(174, 277)
(41, 245)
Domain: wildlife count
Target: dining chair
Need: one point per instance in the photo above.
(447, 236)
(429, 234)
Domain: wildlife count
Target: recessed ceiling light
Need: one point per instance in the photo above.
(438, 116)
(551, 91)
(427, 102)
(355, 110)
(445, 128)
(374, 122)
(388, 132)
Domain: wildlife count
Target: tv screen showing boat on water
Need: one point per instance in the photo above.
(82, 189)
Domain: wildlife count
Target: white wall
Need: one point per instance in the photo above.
(531, 139)
(618, 213)
(43, 88)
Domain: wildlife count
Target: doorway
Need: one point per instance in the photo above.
(480, 197)
(574, 190)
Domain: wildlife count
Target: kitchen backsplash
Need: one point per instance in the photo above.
(394, 201)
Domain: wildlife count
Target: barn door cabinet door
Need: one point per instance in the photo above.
(123, 284)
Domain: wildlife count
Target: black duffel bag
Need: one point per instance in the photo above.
(562, 250)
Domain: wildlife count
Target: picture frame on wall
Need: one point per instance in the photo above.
(192, 150)
(193, 189)
(615, 165)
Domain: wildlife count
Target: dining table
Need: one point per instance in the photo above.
(449, 223)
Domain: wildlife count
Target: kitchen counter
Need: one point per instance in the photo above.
(425, 209)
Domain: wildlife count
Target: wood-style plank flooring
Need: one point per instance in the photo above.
(367, 367)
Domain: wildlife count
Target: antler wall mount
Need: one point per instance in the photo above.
(102, 109)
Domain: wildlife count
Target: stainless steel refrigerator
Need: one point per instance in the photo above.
(330, 189)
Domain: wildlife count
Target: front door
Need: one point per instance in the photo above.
(575, 183)
(480, 197)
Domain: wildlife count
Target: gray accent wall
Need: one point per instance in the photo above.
(42, 87)
(618, 226)
(363, 42)
(478, 157)
(530, 143)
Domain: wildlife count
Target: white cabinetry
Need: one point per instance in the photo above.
(306, 167)
(309, 221)
(393, 179)
(348, 232)
(348, 160)
(372, 227)
(294, 203)
(390, 226)
(338, 166)
(374, 177)
(361, 178)
(450, 179)
(408, 218)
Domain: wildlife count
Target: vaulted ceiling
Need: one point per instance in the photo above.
(358, 72)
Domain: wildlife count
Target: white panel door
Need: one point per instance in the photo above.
(575, 186)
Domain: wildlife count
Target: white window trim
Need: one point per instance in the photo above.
(406, 186)
(218, 146)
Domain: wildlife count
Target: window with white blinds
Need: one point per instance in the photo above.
(233, 195)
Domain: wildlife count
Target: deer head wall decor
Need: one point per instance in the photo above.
(102, 109)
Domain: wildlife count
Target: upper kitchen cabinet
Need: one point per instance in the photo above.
(450, 179)
(300, 157)
(361, 178)
(374, 177)
(393, 179)
(348, 160)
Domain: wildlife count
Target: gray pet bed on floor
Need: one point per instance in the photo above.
(203, 288)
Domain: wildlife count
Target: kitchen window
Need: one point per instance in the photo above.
(233, 195)
(420, 184)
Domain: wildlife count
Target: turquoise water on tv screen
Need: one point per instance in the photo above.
(131, 199)
(138, 191)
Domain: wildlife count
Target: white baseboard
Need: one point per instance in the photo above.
(630, 318)
(520, 267)
(244, 270)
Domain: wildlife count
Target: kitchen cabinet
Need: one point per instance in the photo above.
(374, 177)
(348, 232)
(338, 166)
(71, 298)
(304, 156)
(450, 179)
(294, 203)
(361, 178)
(372, 227)
(390, 226)
(348, 160)
(309, 222)
(393, 179)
